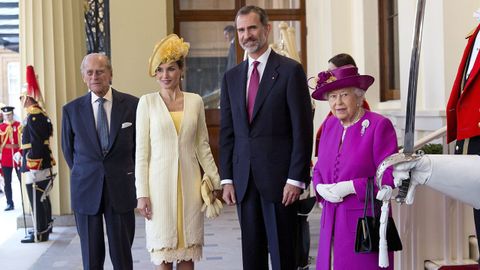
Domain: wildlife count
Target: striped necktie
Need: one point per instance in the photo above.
(102, 125)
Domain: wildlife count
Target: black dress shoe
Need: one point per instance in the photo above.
(9, 207)
(31, 238)
(30, 231)
(28, 239)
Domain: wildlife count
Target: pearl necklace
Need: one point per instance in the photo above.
(356, 119)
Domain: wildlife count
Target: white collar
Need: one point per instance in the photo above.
(262, 59)
(108, 95)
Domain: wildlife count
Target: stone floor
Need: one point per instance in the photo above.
(222, 244)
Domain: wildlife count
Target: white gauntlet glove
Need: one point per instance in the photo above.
(420, 169)
(324, 191)
(342, 189)
(17, 157)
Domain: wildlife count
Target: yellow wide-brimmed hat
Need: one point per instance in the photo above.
(170, 49)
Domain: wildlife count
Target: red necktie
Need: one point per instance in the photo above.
(252, 90)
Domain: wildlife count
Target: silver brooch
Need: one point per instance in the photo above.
(365, 124)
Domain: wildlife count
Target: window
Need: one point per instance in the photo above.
(205, 24)
(13, 80)
(389, 55)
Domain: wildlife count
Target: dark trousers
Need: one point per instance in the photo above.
(305, 206)
(42, 210)
(267, 227)
(472, 147)
(120, 232)
(7, 173)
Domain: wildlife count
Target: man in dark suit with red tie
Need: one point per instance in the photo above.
(98, 143)
(265, 144)
(463, 108)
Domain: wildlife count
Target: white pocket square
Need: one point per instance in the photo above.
(126, 124)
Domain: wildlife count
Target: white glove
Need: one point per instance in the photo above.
(342, 189)
(17, 157)
(420, 169)
(324, 191)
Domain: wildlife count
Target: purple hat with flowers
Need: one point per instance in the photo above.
(342, 77)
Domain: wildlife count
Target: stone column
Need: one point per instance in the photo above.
(52, 39)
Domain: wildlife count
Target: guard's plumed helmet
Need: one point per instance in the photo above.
(31, 88)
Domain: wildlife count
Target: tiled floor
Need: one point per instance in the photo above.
(222, 245)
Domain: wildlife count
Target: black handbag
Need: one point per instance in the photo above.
(368, 228)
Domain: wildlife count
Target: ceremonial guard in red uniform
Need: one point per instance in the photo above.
(2, 182)
(10, 131)
(463, 108)
(37, 160)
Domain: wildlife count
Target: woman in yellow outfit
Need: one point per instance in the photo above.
(172, 141)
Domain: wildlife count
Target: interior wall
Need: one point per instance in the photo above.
(432, 65)
(445, 27)
(329, 28)
(133, 36)
(367, 48)
(457, 22)
(319, 48)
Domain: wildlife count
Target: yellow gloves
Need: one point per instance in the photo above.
(211, 205)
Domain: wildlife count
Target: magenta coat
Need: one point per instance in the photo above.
(363, 149)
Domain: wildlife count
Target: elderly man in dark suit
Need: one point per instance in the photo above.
(266, 143)
(98, 143)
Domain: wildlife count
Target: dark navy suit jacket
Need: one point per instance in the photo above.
(277, 144)
(89, 167)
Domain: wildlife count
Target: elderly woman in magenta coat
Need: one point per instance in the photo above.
(353, 143)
